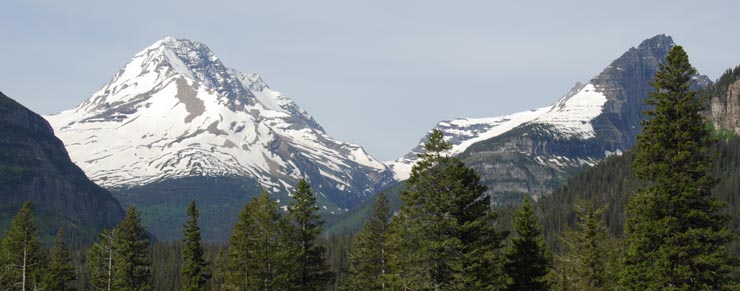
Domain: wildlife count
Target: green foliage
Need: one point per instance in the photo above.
(61, 273)
(194, 267)
(443, 237)
(260, 256)
(368, 262)
(352, 221)
(676, 234)
(132, 269)
(163, 205)
(220, 269)
(22, 260)
(239, 254)
(587, 262)
(339, 248)
(100, 262)
(719, 88)
(312, 271)
(528, 260)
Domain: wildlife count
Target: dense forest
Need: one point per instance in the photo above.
(655, 218)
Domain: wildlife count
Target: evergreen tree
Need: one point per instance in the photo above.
(587, 261)
(675, 233)
(219, 270)
(61, 273)
(259, 251)
(527, 260)
(100, 262)
(443, 237)
(131, 271)
(194, 267)
(312, 272)
(368, 261)
(22, 260)
(238, 273)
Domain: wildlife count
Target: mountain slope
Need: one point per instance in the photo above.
(535, 151)
(175, 111)
(611, 184)
(34, 166)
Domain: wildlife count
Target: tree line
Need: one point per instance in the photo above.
(445, 235)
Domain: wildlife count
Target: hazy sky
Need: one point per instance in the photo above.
(377, 73)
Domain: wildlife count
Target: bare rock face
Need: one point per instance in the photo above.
(35, 167)
(724, 97)
(535, 151)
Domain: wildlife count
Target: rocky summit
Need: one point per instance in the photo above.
(535, 151)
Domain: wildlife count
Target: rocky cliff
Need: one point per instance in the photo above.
(535, 151)
(34, 166)
(724, 101)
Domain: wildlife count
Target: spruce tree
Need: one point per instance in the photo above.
(443, 237)
(22, 259)
(132, 269)
(61, 273)
(269, 239)
(587, 262)
(194, 268)
(368, 261)
(675, 231)
(219, 270)
(238, 273)
(259, 256)
(528, 261)
(100, 262)
(312, 271)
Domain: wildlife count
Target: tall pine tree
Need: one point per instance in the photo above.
(443, 237)
(61, 273)
(132, 269)
(676, 234)
(22, 259)
(588, 260)
(312, 271)
(219, 269)
(527, 260)
(100, 262)
(194, 268)
(368, 261)
(260, 254)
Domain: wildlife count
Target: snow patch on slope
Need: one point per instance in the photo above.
(175, 111)
(571, 117)
(572, 114)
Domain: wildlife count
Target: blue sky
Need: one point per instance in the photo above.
(377, 73)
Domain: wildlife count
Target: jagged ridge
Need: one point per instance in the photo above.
(534, 151)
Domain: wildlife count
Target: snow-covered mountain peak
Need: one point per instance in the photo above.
(589, 122)
(176, 111)
(160, 64)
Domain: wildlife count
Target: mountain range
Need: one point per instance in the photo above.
(175, 124)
